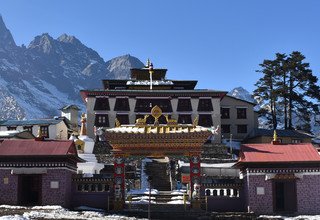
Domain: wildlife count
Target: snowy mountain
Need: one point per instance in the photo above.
(241, 93)
(37, 80)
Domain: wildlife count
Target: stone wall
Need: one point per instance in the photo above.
(57, 196)
(259, 203)
(308, 194)
(8, 187)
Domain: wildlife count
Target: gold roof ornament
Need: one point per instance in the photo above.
(275, 136)
(40, 135)
(151, 71)
(117, 122)
(142, 121)
(83, 129)
(170, 121)
(196, 121)
(156, 112)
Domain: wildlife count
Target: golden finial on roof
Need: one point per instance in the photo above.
(275, 136)
(39, 133)
(151, 71)
(83, 129)
(117, 122)
(148, 63)
(195, 121)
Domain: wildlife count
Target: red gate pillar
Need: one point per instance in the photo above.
(119, 182)
(195, 180)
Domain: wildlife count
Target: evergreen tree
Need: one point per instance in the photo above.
(266, 93)
(290, 89)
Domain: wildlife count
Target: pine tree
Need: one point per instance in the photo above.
(291, 90)
(266, 93)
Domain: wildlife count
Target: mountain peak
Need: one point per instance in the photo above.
(119, 67)
(44, 42)
(241, 93)
(68, 39)
(6, 39)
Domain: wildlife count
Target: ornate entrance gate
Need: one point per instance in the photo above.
(170, 139)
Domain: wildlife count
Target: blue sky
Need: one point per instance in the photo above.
(219, 43)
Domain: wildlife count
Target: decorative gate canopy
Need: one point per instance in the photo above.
(142, 139)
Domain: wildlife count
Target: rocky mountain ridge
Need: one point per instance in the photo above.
(37, 80)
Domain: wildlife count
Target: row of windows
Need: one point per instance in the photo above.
(241, 113)
(222, 192)
(102, 120)
(44, 129)
(145, 105)
(241, 129)
(93, 187)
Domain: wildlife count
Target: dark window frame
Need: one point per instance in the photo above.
(28, 128)
(241, 113)
(184, 119)
(122, 104)
(44, 131)
(184, 105)
(242, 129)
(205, 105)
(11, 128)
(225, 114)
(123, 119)
(145, 105)
(101, 104)
(205, 120)
(99, 122)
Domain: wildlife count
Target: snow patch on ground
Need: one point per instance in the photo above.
(142, 192)
(57, 212)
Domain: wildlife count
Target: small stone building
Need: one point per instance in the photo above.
(280, 178)
(37, 172)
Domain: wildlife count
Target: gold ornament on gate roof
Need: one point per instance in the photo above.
(117, 122)
(156, 112)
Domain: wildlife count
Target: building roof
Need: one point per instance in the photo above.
(70, 107)
(31, 122)
(154, 93)
(16, 134)
(280, 133)
(278, 153)
(37, 148)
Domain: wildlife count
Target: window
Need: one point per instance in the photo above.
(11, 128)
(101, 120)
(44, 131)
(296, 141)
(184, 119)
(225, 113)
(241, 113)
(145, 105)
(123, 119)
(225, 129)
(205, 120)
(205, 105)
(242, 129)
(184, 105)
(102, 104)
(27, 128)
(122, 104)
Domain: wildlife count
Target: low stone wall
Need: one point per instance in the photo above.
(225, 204)
(99, 200)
